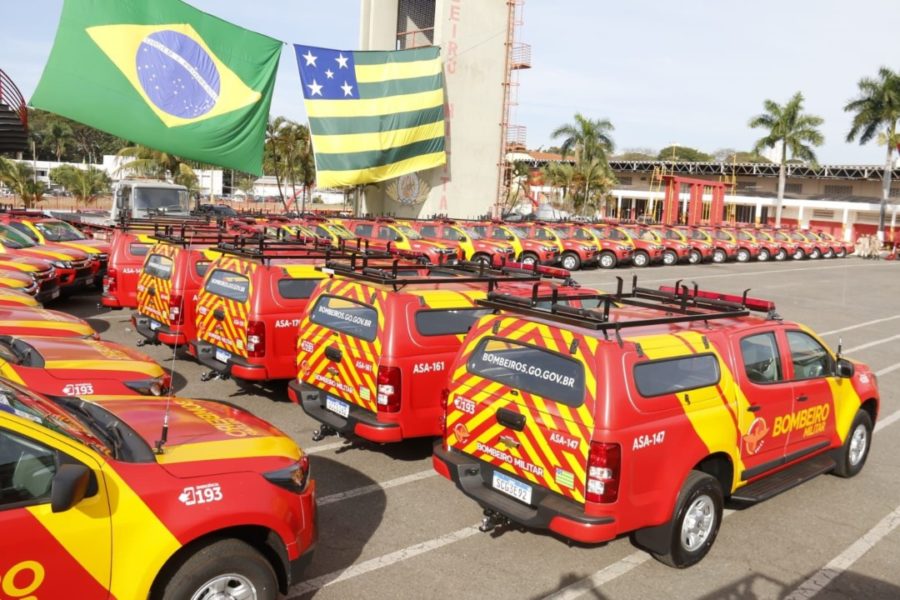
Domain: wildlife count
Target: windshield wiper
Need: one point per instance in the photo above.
(113, 440)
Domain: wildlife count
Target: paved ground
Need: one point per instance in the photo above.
(391, 528)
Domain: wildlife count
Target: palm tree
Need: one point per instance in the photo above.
(154, 163)
(19, 177)
(84, 184)
(559, 175)
(794, 131)
(590, 142)
(58, 134)
(878, 107)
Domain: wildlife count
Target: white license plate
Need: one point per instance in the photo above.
(512, 487)
(154, 325)
(54, 294)
(337, 406)
(222, 355)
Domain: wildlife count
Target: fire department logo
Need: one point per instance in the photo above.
(461, 432)
(753, 441)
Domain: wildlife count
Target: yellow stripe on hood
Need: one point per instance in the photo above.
(140, 366)
(250, 447)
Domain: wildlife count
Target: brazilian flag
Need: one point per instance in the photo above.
(164, 75)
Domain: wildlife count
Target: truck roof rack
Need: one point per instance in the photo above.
(395, 272)
(294, 248)
(677, 304)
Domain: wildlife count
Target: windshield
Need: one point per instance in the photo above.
(649, 235)
(798, 237)
(59, 231)
(781, 237)
(11, 238)
(340, 231)
(562, 234)
(409, 232)
(697, 234)
(724, 236)
(743, 235)
(517, 232)
(48, 414)
(542, 233)
(471, 233)
(166, 200)
(826, 236)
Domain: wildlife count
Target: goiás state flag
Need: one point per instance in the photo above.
(373, 115)
(165, 75)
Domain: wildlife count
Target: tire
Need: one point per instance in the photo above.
(694, 257)
(842, 253)
(640, 259)
(781, 254)
(816, 253)
(743, 255)
(764, 255)
(719, 256)
(799, 254)
(481, 257)
(830, 253)
(529, 258)
(570, 261)
(855, 450)
(695, 521)
(670, 257)
(607, 260)
(226, 564)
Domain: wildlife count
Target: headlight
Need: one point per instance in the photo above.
(157, 386)
(588, 248)
(61, 264)
(293, 478)
(622, 247)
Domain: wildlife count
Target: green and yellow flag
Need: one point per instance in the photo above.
(373, 115)
(165, 75)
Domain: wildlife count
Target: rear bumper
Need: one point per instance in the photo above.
(161, 334)
(359, 421)
(236, 366)
(548, 511)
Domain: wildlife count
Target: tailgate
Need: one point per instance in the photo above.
(340, 342)
(223, 305)
(523, 402)
(155, 284)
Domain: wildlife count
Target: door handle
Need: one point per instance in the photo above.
(802, 398)
(754, 408)
(511, 419)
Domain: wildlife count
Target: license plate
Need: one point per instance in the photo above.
(54, 294)
(512, 487)
(155, 325)
(222, 355)
(337, 406)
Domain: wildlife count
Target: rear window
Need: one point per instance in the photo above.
(139, 249)
(346, 316)
(675, 375)
(228, 285)
(201, 267)
(448, 322)
(295, 289)
(529, 368)
(159, 266)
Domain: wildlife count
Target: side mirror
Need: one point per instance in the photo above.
(69, 487)
(844, 368)
(463, 239)
(511, 238)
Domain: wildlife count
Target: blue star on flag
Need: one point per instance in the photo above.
(327, 74)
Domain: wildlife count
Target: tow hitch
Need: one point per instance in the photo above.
(323, 432)
(213, 374)
(491, 520)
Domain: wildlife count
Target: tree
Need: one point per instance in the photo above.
(19, 177)
(794, 131)
(288, 156)
(877, 107)
(682, 154)
(590, 142)
(636, 154)
(84, 184)
(148, 162)
(559, 175)
(58, 135)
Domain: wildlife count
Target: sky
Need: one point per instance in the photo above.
(688, 72)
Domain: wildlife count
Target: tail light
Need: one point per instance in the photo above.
(176, 312)
(445, 398)
(388, 392)
(604, 468)
(256, 339)
(110, 285)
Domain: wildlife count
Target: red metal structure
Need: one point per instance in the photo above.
(695, 212)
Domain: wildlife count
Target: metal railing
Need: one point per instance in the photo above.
(415, 38)
(12, 97)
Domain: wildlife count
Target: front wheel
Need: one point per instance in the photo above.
(570, 261)
(856, 447)
(481, 257)
(640, 259)
(816, 253)
(842, 253)
(529, 259)
(781, 254)
(764, 255)
(829, 253)
(669, 257)
(696, 520)
(224, 569)
(694, 257)
(608, 260)
(799, 254)
(743, 255)
(719, 256)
